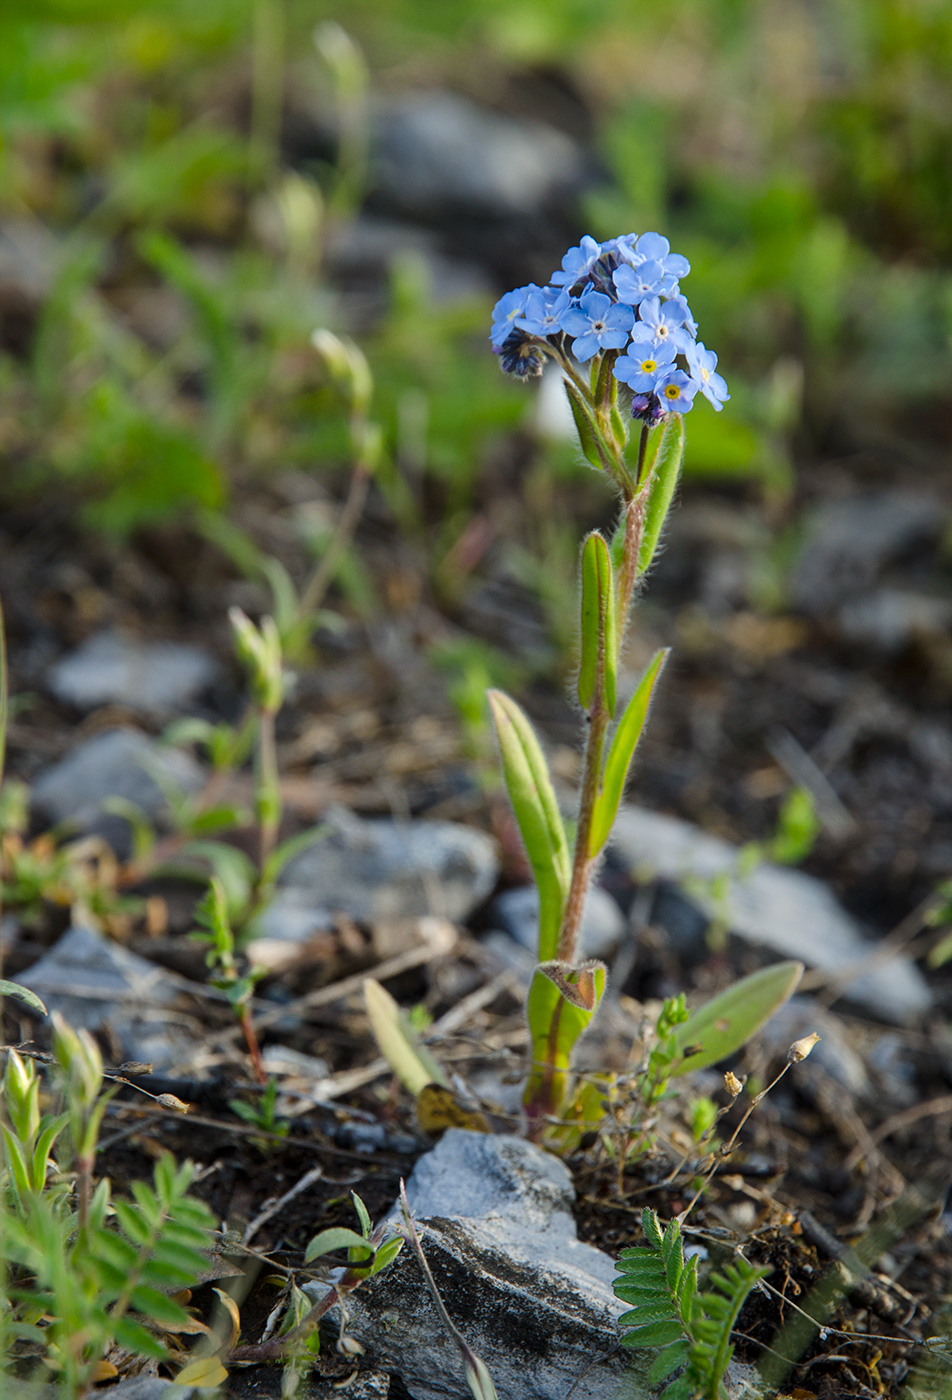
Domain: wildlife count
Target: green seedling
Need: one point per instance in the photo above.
(238, 987)
(84, 1272)
(691, 1328)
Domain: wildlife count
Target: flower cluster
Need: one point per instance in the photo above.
(622, 295)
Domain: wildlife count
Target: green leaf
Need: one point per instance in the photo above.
(655, 1334)
(287, 850)
(727, 1021)
(412, 1065)
(561, 1003)
(667, 1361)
(157, 1307)
(337, 1238)
(662, 476)
(624, 743)
(537, 813)
(143, 832)
(386, 1254)
(362, 1213)
(134, 1337)
(13, 989)
(232, 867)
(584, 426)
(598, 630)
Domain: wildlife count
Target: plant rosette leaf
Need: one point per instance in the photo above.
(728, 1021)
(414, 1066)
(562, 1001)
(537, 814)
(13, 989)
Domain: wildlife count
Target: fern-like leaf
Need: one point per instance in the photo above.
(693, 1328)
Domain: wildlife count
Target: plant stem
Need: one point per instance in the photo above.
(268, 784)
(584, 864)
(267, 87)
(317, 584)
(251, 1040)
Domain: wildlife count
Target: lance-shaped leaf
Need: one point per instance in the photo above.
(562, 1001)
(662, 479)
(622, 750)
(411, 1063)
(584, 425)
(727, 1021)
(537, 813)
(599, 633)
(13, 989)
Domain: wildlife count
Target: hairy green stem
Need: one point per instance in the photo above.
(268, 795)
(583, 865)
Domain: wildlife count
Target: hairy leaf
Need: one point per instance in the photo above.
(598, 624)
(414, 1066)
(622, 750)
(663, 476)
(537, 813)
(727, 1021)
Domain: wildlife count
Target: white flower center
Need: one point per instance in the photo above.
(661, 332)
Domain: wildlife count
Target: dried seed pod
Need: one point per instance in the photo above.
(800, 1049)
(732, 1084)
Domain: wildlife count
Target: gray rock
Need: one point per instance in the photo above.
(132, 1388)
(438, 152)
(115, 763)
(603, 923)
(155, 678)
(29, 258)
(533, 1301)
(850, 541)
(96, 984)
(890, 618)
(383, 869)
(372, 245)
(785, 911)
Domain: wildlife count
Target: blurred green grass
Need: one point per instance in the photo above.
(800, 156)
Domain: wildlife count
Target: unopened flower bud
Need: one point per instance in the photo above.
(800, 1049)
(170, 1101)
(732, 1084)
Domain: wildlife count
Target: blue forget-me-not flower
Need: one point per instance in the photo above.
(598, 323)
(702, 364)
(577, 263)
(643, 365)
(544, 311)
(506, 310)
(620, 295)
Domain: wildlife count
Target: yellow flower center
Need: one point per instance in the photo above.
(671, 391)
(705, 375)
(649, 366)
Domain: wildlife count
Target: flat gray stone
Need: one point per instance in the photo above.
(533, 1301)
(850, 541)
(30, 256)
(382, 869)
(155, 678)
(441, 153)
(603, 923)
(115, 763)
(889, 619)
(94, 983)
(785, 911)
